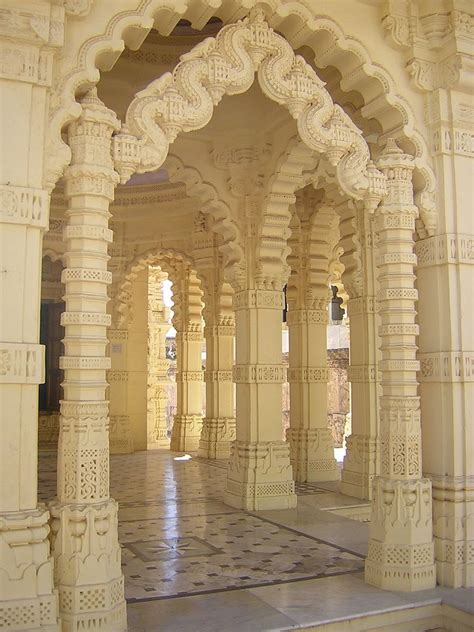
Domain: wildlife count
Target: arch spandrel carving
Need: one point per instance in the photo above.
(298, 24)
(185, 99)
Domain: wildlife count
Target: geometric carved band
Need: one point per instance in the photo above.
(83, 231)
(396, 257)
(84, 409)
(21, 363)
(361, 305)
(308, 374)
(399, 329)
(447, 248)
(85, 274)
(259, 373)
(189, 376)
(23, 205)
(310, 316)
(402, 293)
(399, 365)
(447, 366)
(269, 299)
(218, 376)
(362, 373)
(84, 362)
(85, 318)
(396, 220)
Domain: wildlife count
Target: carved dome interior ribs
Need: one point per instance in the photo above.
(236, 254)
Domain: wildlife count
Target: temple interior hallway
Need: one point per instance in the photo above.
(193, 563)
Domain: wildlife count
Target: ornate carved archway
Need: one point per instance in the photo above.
(184, 100)
(375, 82)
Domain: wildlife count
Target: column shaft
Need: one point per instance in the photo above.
(218, 429)
(401, 553)
(187, 422)
(158, 364)
(311, 443)
(362, 460)
(85, 539)
(260, 474)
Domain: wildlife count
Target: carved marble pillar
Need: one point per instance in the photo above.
(187, 321)
(218, 429)
(445, 282)
(84, 526)
(362, 460)
(158, 364)
(29, 35)
(310, 439)
(137, 361)
(401, 551)
(259, 475)
(120, 430)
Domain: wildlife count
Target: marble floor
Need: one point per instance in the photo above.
(192, 563)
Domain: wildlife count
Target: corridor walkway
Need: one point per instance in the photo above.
(193, 563)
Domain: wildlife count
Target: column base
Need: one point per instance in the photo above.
(28, 600)
(88, 570)
(186, 433)
(216, 437)
(453, 528)
(260, 476)
(401, 550)
(360, 467)
(312, 454)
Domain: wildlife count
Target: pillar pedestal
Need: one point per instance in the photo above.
(259, 476)
(28, 601)
(312, 454)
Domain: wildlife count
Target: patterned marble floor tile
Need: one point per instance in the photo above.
(179, 539)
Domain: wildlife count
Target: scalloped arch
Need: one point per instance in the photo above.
(297, 24)
(212, 204)
(162, 257)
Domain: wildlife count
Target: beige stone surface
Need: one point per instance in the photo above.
(275, 145)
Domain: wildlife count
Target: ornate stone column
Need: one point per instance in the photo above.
(259, 474)
(362, 461)
(187, 321)
(84, 526)
(28, 38)
(120, 430)
(445, 275)
(309, 437)
(438, 47)
(401, 551)
(218, 429)
(158, 364)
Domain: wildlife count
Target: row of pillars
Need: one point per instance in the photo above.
(260, 474)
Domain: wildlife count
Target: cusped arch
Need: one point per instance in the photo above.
(184, 100)
(378, 88)
(297, 24)
(211, 204)
(162, 257)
